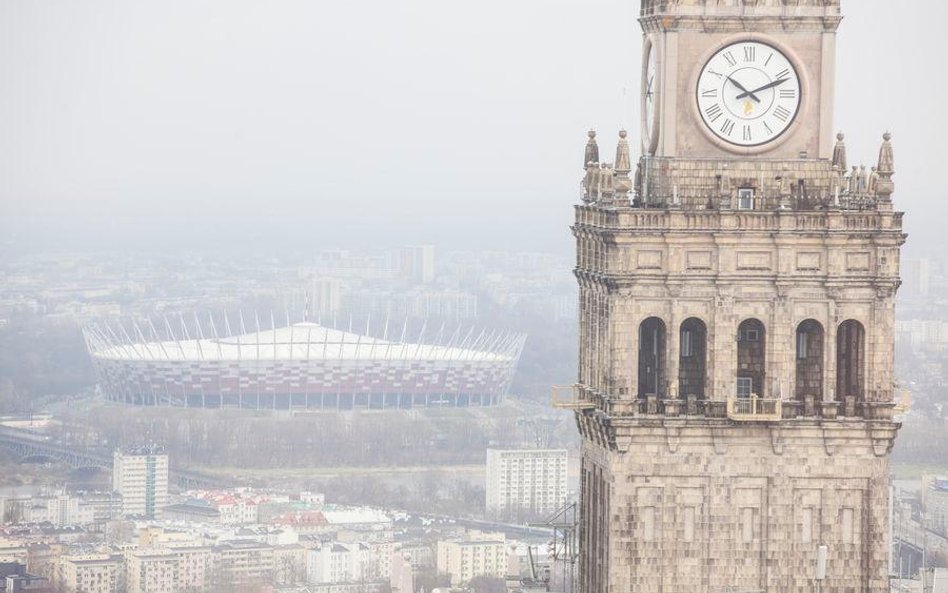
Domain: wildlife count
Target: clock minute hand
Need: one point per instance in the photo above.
(747, 93)
(770, 85)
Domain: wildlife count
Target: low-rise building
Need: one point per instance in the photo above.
(152, 571)
(61, 509)
(243, 562)
(477, 554)
(195, 566)
(289, 564)
(95, 573)
(192, 512)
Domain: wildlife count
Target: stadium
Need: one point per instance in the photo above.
(301, 366)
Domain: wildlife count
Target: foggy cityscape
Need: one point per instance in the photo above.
(473, 297)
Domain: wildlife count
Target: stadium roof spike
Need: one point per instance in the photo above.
(141, 336)
(217, 339)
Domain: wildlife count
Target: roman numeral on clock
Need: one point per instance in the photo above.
(714, 112)
(782, 113)
(727, 128)
(750, 53)
(748, 137)
(788, 93)
(730, 59)
(767, 127)
(783, 74)
(709, 93)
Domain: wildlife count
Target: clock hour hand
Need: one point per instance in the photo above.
(770, 85)
(747, 93)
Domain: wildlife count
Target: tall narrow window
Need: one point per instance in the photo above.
(802, 342)
(806, 526)
(689, 524)
(751, 356)
(850, 360)
(847, 526)
(692, 359)
(652, 357)
(648, 524)
(747, 525)
(809, 366)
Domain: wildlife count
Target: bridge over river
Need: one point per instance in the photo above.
(27, 443)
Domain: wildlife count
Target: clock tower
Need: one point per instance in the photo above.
(737, 292)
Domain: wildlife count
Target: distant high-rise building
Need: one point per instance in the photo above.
(325, 298)
(737, 313)
(417, 263)
(141, 477)
(917, 277)
(526, 481)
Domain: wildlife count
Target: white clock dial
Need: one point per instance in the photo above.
(650, 96)
(749, 93)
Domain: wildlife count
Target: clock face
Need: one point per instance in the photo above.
(749, 93)
(650, 97)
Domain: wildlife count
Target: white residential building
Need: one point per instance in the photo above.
(59, 510)
(338, 562)
(526, 480)
(478, 554)
(141, 477)
(97, 573)
(152, 571)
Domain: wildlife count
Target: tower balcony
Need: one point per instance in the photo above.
(572, 397)
(739, 409)
(754, 409)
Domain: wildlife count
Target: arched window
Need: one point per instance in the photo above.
(692, 358)
(652, 357)
(751, 361)
(850, 360)
(809, 346)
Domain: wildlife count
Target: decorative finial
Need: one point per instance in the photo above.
(839, 152)
(886, 157)
(885, 187)
(623, 185)
(592, 149)
(623, 158)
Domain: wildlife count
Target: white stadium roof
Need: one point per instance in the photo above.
(301, 341)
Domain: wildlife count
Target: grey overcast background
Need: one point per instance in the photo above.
(292, 124)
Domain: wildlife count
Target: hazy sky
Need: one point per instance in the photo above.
(315, 122)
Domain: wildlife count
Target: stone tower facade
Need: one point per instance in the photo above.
(737, 294)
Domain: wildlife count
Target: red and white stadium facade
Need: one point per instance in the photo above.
(301, 366)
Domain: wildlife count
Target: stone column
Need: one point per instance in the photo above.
(724, 381)
(633, 361)
(673, 350)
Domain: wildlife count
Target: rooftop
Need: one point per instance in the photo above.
(301, 341)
